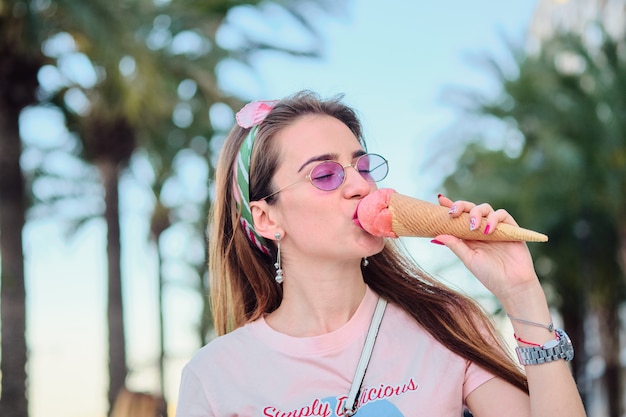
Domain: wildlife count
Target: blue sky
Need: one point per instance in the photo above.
(391, 59)
(392, 65)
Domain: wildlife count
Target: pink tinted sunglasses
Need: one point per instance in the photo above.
(329, 175)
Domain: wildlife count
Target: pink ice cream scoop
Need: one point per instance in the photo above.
(387, 213)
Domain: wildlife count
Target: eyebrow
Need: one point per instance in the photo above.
(330, 157)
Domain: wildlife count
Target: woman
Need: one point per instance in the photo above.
(296, 285)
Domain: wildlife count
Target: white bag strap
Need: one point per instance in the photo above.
(350, 405)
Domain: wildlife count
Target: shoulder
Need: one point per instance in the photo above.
(197, 390)
(221, 349)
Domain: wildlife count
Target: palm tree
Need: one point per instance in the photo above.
(118, 104)
(22, 31)
(13, 402)
(202, 22)
(125, 114)
(25, 27)
(562, 171)
(118, 117)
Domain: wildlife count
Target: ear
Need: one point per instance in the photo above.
(264, 219)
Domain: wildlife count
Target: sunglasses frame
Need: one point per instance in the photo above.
(353, 165)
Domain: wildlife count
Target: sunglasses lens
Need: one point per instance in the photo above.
(372, 167)
(327, 176)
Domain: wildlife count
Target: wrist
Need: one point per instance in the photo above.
(559, 348)
(530, 315)
(528, 303)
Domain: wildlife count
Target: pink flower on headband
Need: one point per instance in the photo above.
(252, 114)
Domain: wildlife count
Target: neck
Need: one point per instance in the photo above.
(317, 303)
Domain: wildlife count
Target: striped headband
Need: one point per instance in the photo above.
(249, 117)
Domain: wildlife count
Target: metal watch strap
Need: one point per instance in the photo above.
(560, 348)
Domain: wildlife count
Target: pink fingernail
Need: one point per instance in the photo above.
(437, 242)
(487, 229)
(452, 210)
(472, 224)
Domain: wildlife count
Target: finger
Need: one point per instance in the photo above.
(459, 207)
(498, 216)
(444, 201)
(481, 210)
(456, 245)
(477, 212)
(476, 216)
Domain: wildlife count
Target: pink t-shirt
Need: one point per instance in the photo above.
(257, 371)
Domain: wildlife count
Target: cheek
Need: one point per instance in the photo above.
(312, 214)
(310, 217)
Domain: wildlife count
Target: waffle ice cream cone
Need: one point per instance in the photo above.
(390, 214)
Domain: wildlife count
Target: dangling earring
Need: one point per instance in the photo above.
(365, 261)
(279, 270)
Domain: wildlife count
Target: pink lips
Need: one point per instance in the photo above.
(355, 217)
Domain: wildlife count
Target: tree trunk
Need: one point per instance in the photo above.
(158, 224)
(610, 335)
(18, 83)
(115, 310)
(161, 327)
(573, 322)
(13, 402)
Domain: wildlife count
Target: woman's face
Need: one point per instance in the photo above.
(317, 223)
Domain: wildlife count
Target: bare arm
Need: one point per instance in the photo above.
(506, 269)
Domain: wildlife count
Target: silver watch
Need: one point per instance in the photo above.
(554, 350)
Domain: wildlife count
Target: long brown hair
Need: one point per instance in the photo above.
(242, 285)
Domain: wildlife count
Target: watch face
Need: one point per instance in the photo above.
(566, 344)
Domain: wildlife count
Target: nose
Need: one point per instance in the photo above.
(354, 184)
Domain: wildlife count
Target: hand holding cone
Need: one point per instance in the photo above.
(387, 213)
